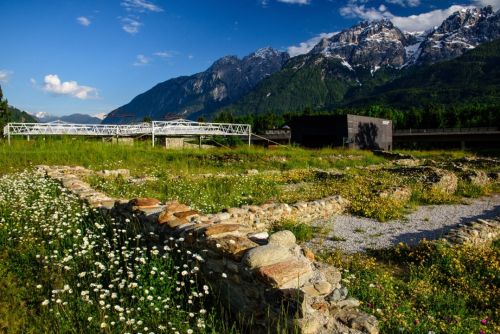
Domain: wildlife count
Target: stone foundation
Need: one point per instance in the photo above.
(480, 232)
(259, 277)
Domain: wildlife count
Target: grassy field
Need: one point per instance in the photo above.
(67, 269)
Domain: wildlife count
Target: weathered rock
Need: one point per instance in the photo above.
(309, 254)
(347, 303)
(320, 306)
(337, 295)
(175, 206)
(260, 237)
(186, 214)
(125, 173)
(266, 255)
(144, 202)
(232, 246)
(332, 275)
(480, 233)
(175, 222)
(323, 287)
(221, 228)
(280, 273)
(283, 238)
(365, 322)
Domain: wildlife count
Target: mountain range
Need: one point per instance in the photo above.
(44, 117)
(369, 62)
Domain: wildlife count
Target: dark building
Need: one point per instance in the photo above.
(272, 137)
(350, 131)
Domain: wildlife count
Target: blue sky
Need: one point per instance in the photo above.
(64, 57)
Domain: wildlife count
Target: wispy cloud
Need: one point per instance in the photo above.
(5, 76)
(131, 25)
(84, 21)
(141, 6)
(265, 3)
(141, 60)
(419, 22)
(405, 3)
(483, 3)
(165, 54)
(305, 47)
(54, 85)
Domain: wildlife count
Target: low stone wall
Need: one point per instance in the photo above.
(480, 232)
(258, 275)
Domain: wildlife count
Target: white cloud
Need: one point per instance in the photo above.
(33, 81)
(483, 3)
(84, 21)
(141, 60)
(140, 6)
(424, 21)
(305, 47)
(418, 22)
(52, 84)
(298, 2)
(5, 75)
(131, 25)
(405, 3)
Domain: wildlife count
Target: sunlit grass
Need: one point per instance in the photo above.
(429, 288)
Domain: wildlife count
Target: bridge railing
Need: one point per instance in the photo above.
(179, 127)
(447, 130)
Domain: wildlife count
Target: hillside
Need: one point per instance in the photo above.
(464, 91)
(16, 115)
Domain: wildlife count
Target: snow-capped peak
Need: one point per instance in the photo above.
(42, 115)
(264, 53)
(100, 116)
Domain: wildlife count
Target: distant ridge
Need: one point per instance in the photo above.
(43, 117)
(201, 94)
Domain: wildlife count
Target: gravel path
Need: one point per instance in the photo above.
(354, 234)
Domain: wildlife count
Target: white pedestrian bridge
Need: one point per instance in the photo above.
(180, 127)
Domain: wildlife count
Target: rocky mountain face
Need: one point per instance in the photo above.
(191, 96)
(379, 43)
(462, 31)
(371, 44)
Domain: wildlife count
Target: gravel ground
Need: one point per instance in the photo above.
(355, 234)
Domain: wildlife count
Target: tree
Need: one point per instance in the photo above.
(4, 110)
